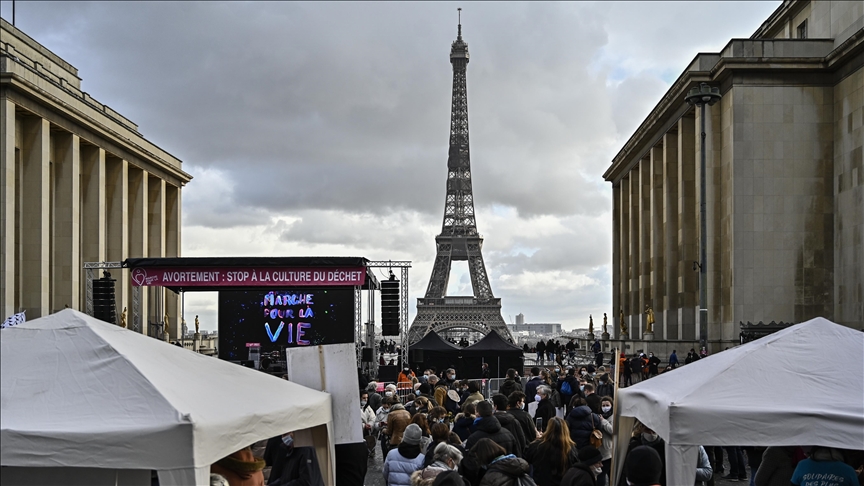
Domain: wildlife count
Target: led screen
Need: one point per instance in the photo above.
(283, 318)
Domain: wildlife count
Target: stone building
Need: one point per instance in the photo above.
(79, 184)
(785, 184)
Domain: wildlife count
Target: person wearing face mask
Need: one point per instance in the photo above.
(648, 438)
(587, 471)
(606, 448)
(444, 458)
(605, 388)
(397, 420)
(515, 407)
(583, 422)
(292, 464)
(450, 378)
(545, 409)
(367, 417)
(653, 363)
(406, 378)
(381, 422)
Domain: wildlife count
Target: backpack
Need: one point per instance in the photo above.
(565, 388)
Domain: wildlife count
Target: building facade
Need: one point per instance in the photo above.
(550, 329)
(79, 184)
(785, 185)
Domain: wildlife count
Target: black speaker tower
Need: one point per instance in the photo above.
(390, 306)
(104, 304)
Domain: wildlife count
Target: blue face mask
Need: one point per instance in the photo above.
(417, 392)
(288, 440)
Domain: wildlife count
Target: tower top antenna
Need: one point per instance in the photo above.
(459, 10)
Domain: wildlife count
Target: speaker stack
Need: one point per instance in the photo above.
(390, 306)
(104, 304)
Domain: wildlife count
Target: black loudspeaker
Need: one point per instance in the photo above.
(247, 363)
(416, 355)
(390, 306)
(366, 355)
(104, 303)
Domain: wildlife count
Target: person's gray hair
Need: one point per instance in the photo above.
(444, 451)
(544, 390)
(372, 386)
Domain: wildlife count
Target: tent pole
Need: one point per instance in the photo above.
(615, 416)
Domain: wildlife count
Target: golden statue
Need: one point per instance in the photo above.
(649, 322)
(605, 323)
(590, 324)
(196, 324)
(123, 318)
(623, 324)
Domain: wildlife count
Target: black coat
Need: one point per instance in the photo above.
(510, 423)
(505, 472)
(545, 458)
(298, 463)
(524, 419)
(546, 411)
(579, 475)
(531, 389)
(581, 422)
(509, 386)
(490, 428)
(659, 445)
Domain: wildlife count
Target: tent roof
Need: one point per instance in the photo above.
(494, 342)
(801, 385)
(98, 395)
(432, 341)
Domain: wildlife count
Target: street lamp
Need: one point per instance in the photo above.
(700, 96)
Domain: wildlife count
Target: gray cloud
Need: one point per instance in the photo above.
(323, 127)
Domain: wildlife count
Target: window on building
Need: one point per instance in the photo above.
(802, 30)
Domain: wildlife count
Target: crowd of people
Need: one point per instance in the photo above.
(553, 429)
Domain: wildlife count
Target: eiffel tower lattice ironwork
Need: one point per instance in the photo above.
(459, 239)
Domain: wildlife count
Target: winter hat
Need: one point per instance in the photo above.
(449, 478)
(589, 455)
(453, 395)
(412, 435)
(424, 389)
(643, 466)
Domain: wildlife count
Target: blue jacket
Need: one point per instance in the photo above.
(398, 469)
(581, 422)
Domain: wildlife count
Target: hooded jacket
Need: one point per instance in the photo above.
(398, 468)
(581, 422)
(509, 386)
(505, 471)
(397, 420)
(510, 423)
(427, 475)
(490, 428)
(579, 475)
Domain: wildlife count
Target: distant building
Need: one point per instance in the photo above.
(538, 328)
(785, 185)
(520, 319)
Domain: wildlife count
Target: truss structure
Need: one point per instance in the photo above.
(370, 340)
(459, 239)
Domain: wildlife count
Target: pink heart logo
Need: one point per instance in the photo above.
(138, 276)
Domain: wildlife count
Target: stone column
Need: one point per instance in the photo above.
(670, 236)
(7, 208)
(138, 237)
(688, 229)
(36, 217)
(657, 262)
(624, 224)
(172, 249)
(632, 322)
(117, 237)
(645, 291)
(616, 248)
(156, 242)
(66, 255)
(92, 208)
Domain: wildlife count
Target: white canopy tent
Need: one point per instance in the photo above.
(80, 393)
(803, 385)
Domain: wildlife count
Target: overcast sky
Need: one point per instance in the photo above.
(322, 128)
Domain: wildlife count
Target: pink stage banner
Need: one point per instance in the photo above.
(248, 276)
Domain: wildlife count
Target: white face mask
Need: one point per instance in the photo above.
(388, 394)
(363, 403)
(606, 409)
(537, 398)
(288, 440)
(597, 470)
(649, 437)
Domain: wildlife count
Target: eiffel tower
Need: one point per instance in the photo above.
(459, 239)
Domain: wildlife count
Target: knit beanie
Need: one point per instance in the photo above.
(412, 435)
(589, 455)
(643, 466)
